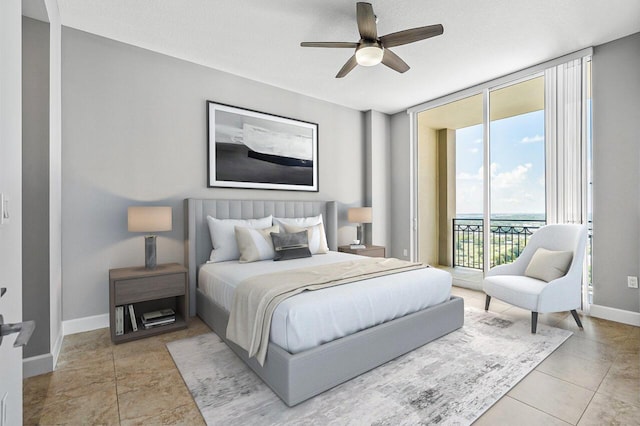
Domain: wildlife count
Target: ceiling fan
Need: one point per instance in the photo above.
(371, 49)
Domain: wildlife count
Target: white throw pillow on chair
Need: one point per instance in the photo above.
(548, 265)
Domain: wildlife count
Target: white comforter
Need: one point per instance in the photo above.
(312, 318)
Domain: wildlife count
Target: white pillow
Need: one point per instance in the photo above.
(255, 244)
(315, 234)
(297, 221)
(223, 236)
(547, 265)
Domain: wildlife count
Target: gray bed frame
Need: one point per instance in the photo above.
(298, 377)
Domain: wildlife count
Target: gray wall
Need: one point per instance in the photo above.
(35, 182)
(400, 186)
(134, 132)
(616, 158)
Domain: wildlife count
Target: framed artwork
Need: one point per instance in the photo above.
(251, 149)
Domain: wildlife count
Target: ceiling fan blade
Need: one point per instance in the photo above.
(366, 21)
(346, 68)
(394, 62)
(338, 44)
(409, 36)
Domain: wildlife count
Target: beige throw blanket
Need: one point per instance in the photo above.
(256, 298)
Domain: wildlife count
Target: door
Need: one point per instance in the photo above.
(11, 187)
(516, 168)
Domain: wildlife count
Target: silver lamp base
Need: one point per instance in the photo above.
(150, 252)
(360, 233)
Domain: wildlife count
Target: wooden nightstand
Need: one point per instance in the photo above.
(371, 251)
(167, 286)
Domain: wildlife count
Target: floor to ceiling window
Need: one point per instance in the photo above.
(495, 164)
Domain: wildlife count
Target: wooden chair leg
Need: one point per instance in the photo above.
(487, 300)
(534, 322)
(577, 318)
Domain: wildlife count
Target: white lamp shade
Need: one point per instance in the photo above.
(359, 215)
(368, 56)
(149, 219)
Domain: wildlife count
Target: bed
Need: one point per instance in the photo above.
(303, 362)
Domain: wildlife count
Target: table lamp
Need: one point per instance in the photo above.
(149, 219)
(359, 215)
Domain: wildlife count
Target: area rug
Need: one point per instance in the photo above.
(450, 381)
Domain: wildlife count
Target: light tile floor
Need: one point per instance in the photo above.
(592, 379)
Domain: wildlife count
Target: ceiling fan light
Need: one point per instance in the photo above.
(368, 56)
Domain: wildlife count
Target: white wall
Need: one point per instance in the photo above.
(378, 176)
(55, 177)
(134, 132)
(11, 187)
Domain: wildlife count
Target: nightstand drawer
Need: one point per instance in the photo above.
(371, 251)
(138, 289)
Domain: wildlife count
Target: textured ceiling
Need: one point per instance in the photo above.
(260, 40)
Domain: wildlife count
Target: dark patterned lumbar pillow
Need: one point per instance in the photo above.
(290, 246)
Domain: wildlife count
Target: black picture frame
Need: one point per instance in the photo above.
(257, 150)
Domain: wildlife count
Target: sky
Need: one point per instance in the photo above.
(517, 166)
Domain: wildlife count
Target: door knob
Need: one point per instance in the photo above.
(24, 330)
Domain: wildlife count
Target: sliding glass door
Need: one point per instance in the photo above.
(455, 148)
(516, 167)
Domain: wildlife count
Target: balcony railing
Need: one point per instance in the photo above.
(508, 239)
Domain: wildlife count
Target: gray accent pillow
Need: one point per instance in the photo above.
(290, 245)
(315, 234)
(548, 265)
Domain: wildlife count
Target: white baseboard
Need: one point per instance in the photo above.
(80, 325)
(472, 285)
(41, 364)
(57, 346)
(614, 314)
(36, 365)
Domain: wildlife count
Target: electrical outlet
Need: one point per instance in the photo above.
(632, 282)
(405, 252)
(3, 410)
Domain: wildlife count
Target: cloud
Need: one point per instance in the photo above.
(534, 139)
(511, 178)
(474, 150)
(512, 191)
(462, 176)
(478, 141)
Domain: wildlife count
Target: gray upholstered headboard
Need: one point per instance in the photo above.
(197, 244)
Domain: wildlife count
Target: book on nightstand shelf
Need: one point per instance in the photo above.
(119, 320)
(157, 323)
(132, 315)
(157, 318)
(162, 313)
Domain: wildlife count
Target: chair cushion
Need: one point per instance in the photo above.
(548, 265)
(515, 289)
